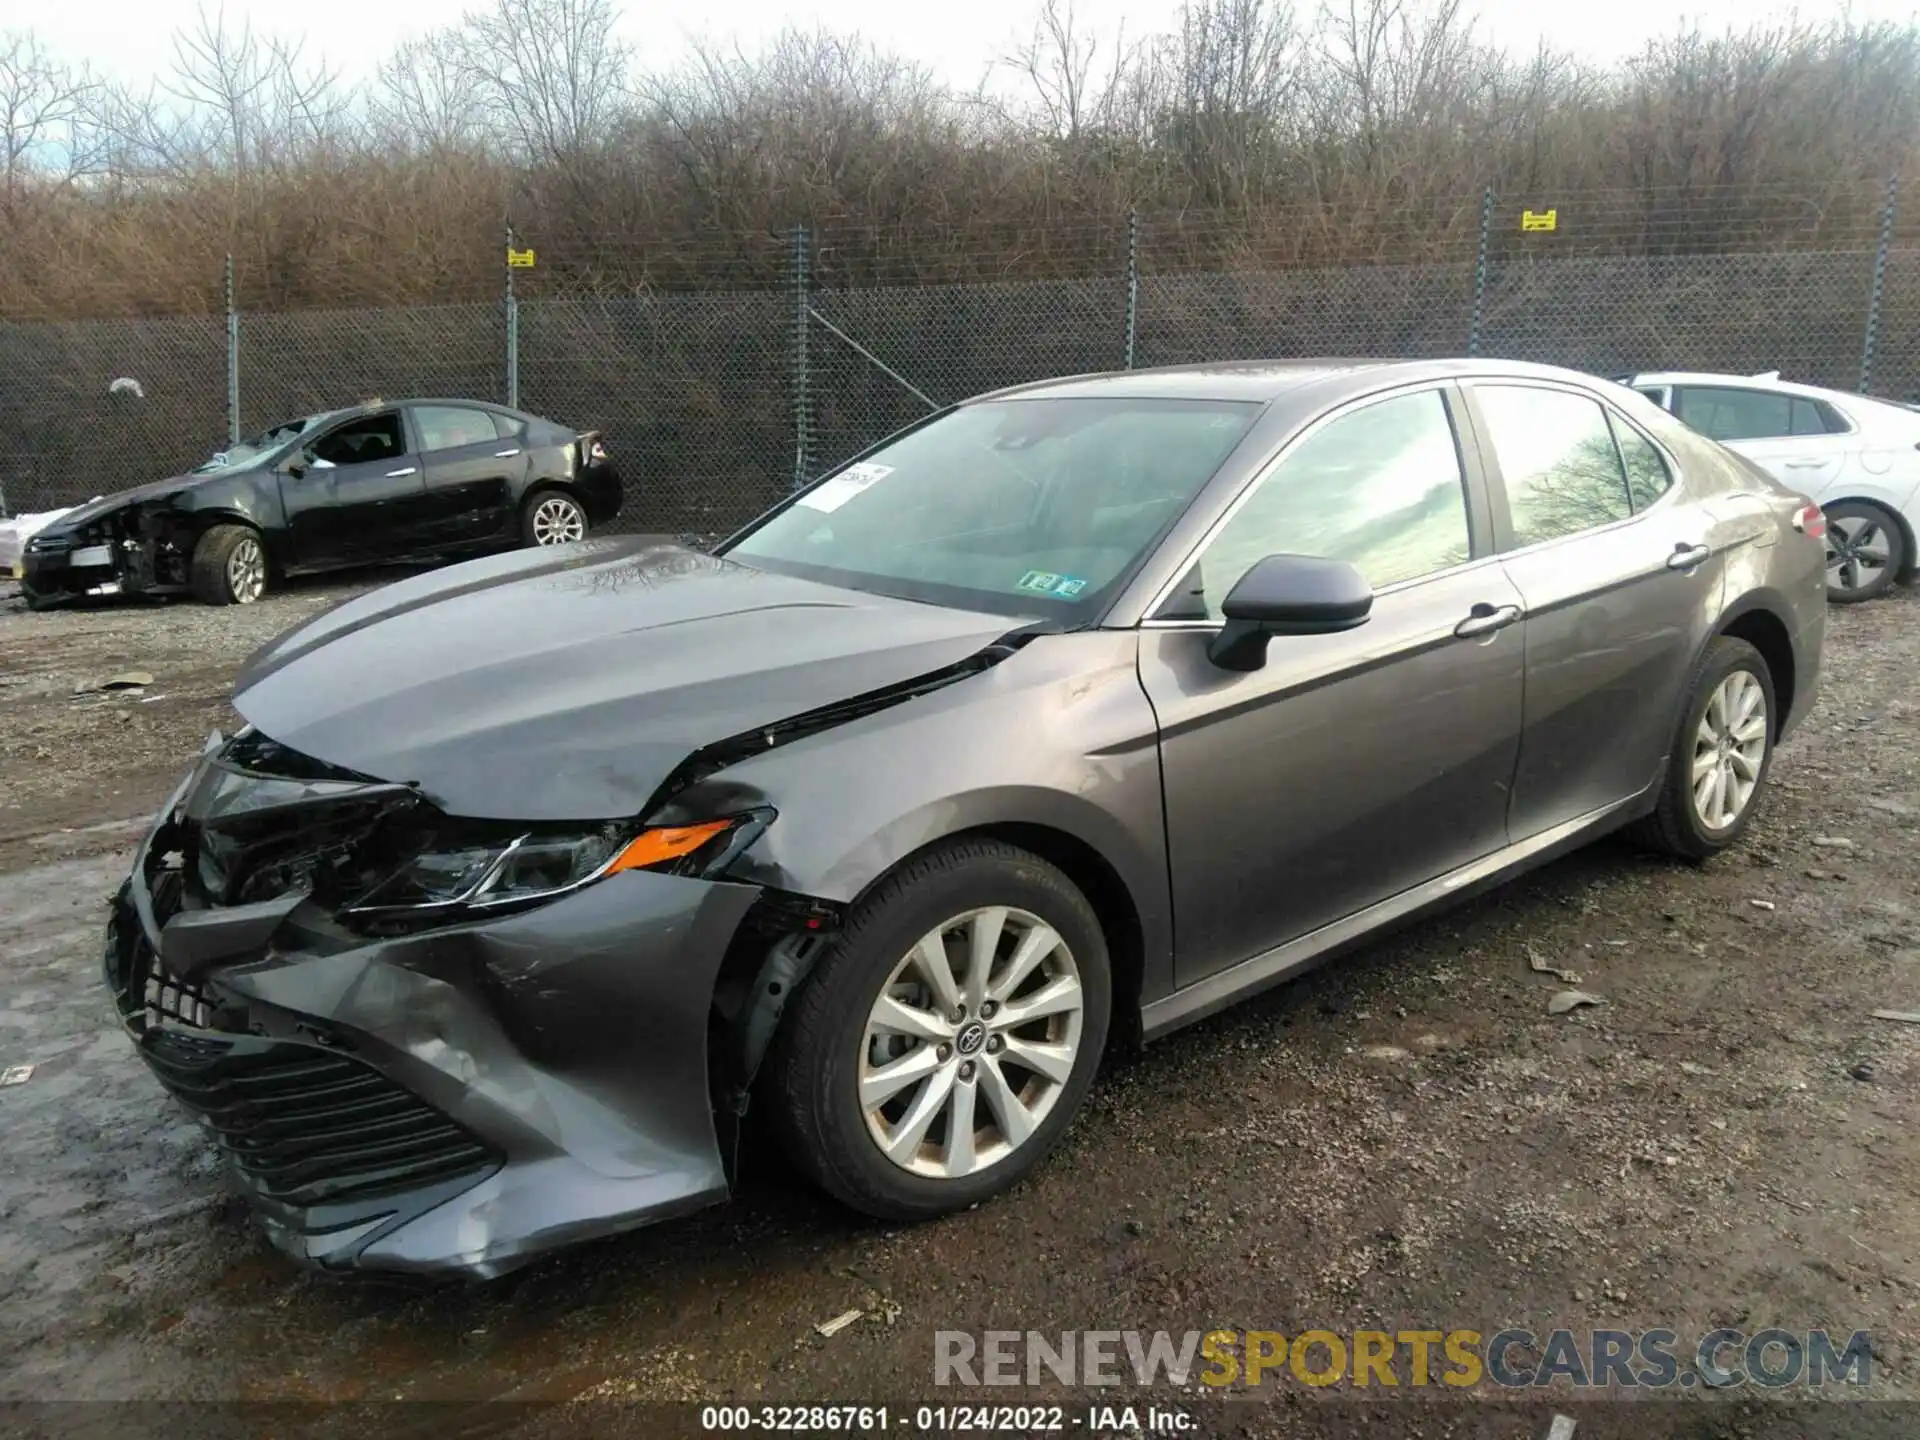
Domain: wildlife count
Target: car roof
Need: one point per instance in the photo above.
(467, 401)
(1769, 380)
(1267, 380)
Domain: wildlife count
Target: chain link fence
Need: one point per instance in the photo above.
(691, 392)
(715, 403)
(69, 429)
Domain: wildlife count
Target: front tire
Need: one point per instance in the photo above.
(1717, 769)
(1866, 551)
(229, 566)
(942, 1045)
(553, 517)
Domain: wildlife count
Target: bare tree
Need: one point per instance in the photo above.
(1057, 64)
(238, 102)
(1231, 70)
(550, 72)
(424, 95)
(44, 110)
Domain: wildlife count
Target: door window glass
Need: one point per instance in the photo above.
(1728, 414)
(1811, 418)
(448, 427)
(1647, 473)
(1557, 457)
(1380, 488)
(378, 437)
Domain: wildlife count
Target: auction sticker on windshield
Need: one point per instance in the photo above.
(844, 486)
(1045, 582)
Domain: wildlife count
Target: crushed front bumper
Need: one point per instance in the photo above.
(60, 570)
(452, 1102)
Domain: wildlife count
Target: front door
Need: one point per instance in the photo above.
(1621, 576)
(359, 496)
(473, 470)
(1350, 767)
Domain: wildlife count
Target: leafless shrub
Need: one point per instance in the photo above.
(1252, 132)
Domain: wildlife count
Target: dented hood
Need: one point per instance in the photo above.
(106, 504)
(568, 684)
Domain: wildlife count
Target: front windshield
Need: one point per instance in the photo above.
(267, 443)
(1023, 507)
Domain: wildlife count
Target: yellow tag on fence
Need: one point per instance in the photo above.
(1539, 219)
(520, 259)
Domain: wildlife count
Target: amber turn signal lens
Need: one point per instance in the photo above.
(651, 847)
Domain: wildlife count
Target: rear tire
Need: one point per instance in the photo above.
(1866, 551)
(844, 1121)
(553, 517)
(229, 566)
(1725, 740)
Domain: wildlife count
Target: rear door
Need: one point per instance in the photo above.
(1803, 443)
(1621, 573)
(359, 496)
(473, 472)
(1353, 766)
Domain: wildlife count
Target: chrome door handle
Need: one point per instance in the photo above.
(1685, 557)
(1803, 464)
(503, 454)
(408, 470)
(1485, 619)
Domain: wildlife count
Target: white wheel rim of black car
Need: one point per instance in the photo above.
(1855, 554)
(246, 571)
(557, 521)
(1728, 750)
(970, 1043)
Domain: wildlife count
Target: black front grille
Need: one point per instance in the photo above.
(146, 992)
(309, 1126)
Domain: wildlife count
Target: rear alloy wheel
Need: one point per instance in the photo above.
(555, 519)
(1866, 550)
(1720, 758)
(941, 1046)
(229, 566)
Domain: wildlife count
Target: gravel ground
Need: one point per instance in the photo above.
(1407, 1139)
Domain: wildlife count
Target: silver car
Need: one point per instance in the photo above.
(1076, 712)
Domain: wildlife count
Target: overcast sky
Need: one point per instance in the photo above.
(131, 38)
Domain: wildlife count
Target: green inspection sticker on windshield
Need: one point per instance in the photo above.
(1045, 582)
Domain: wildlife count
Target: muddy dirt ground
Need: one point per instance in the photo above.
(1407, 1139)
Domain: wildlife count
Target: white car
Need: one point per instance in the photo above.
(1859, 458)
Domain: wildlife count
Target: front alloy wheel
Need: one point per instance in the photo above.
(247, 572)
(971, 1042)
(229, 566)
(947, 1035)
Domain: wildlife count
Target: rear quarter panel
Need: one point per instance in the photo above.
(1771, 565)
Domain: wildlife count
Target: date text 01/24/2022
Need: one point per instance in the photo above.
(948, 1419)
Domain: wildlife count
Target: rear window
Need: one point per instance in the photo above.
(449, 427)
(1742, 414)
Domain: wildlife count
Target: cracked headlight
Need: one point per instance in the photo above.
(538, 866)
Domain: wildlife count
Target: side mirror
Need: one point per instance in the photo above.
(1288, 595)
(295, 464)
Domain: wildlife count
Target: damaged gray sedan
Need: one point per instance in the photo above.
(1069, 716)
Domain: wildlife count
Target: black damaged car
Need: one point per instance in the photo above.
(416, 480)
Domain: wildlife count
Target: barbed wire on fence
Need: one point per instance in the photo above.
(722, 373)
